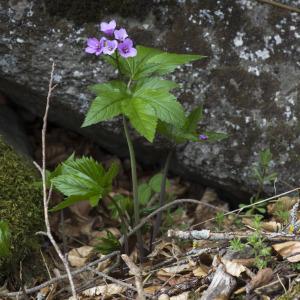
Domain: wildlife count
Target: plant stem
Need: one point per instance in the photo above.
(134, 187)
(162, 196)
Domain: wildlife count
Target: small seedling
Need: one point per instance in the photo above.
(236, 244)
(220, 217)
(263, 175)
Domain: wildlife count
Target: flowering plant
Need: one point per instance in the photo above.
(141, 96)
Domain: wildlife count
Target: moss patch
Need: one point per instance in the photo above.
(20, 206)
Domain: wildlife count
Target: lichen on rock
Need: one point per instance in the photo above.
(20, 206)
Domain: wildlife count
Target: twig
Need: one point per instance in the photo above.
(60, 278)
(45, 195)
(238, 210)
(166, 206)
(281, 5)
(217, 236)
(137, 275)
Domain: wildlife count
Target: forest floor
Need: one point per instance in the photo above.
(203, 251)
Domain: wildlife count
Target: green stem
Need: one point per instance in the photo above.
(162, 196)
(134, 186)
(124, 225)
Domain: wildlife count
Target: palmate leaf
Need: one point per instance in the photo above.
(83, 179)
(107, 103)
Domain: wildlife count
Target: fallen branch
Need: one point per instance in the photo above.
(281, 5)
(217, 236)
(137, 275)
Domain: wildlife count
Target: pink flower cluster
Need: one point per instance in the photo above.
(121, 43)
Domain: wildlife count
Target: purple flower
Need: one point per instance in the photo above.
(109, 46)
(203, 137)
(126, 48)
(121, 34)
(94, 46)
(108, 28)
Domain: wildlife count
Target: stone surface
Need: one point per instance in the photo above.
(12, 130)
(249, 84)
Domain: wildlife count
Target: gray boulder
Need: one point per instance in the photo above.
(249, 84)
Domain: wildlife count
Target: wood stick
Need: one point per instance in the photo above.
(281, 5)
(218, 236)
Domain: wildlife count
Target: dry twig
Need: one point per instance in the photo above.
(217, 236)
(137, 275)
(281, 5)
(45, 194)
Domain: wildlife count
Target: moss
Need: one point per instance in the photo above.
(20, 206)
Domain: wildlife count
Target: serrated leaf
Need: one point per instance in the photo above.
(108, 244)
(193, 119)
(76, 184)
(5, 242)
(83, 179)
(111, 173)
(142, 117)
(144, 193)
(165, 105)
(155, 182)
(107, 104)
(154, 83)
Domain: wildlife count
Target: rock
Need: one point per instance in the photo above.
(12, 131)
(249, 83)
(20, 207)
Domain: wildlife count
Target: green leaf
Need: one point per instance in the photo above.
(193, 119)
(151, 61)
(215, 136)
(144, 193)
(77, 184)
(154, 83)
(83, 179)
(165, 105)
(142, 117)
(108, 244)
(5, 241)
(107, 103)
(155, 182)
(67, 203)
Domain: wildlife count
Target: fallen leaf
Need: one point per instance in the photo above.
(106, 290)
(289, 250)
(152, 289)
(174, 269)
(233, 268)
(201, 271)
(79, 256)
(283, 203)
(164, 297)
(262, 277)
(271, 226)
(165, 249)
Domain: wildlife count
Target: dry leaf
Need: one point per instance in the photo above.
(262, 277)
(289, 250)
(201, 271)
(233, 268)
(164, 297)
(106, 290)
(165, 249)
(152, 289)
(271, 226)
(79, 256)
(170, 271)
